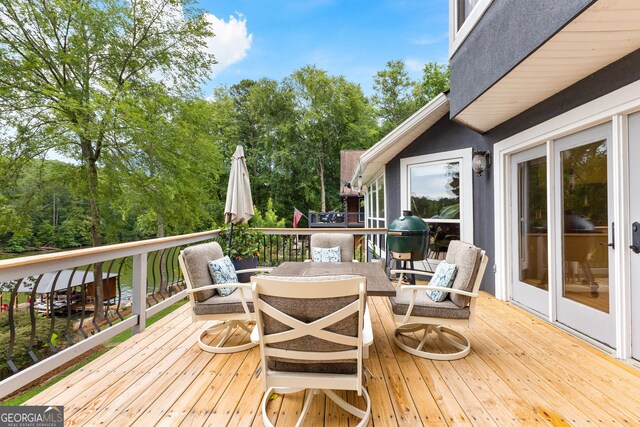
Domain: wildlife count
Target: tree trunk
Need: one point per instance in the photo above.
(322, 196)
(96, 240)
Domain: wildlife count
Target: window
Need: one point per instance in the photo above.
(463, 16)
(464, 10)
(376, 212)
(438, 188)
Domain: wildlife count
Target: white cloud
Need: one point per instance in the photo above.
(231, 41)
(429, 39)
(414, 65)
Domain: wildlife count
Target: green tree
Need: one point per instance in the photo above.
(435, 80)
(331, 114)
(72, 70)
(393, 95)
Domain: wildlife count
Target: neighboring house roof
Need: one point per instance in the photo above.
(348, 163)
(372, 160)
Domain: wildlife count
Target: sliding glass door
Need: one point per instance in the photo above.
(583, 209)
(529, 225)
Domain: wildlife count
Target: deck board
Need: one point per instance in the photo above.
(521, 371)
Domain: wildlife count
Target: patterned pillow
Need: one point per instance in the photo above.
(443, 277)
(327, 254)
(223, 271)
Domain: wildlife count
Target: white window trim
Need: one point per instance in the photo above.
(457, 37)
(614, 106)
(368, 209)
(466, 185)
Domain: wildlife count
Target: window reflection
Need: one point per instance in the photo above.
(435, 190)
(532, 215)
(585, 225)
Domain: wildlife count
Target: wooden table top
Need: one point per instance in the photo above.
(378, 284)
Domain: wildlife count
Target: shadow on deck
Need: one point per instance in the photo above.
(521, 371)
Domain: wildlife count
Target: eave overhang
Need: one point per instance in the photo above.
(602, 34)
(372, 160)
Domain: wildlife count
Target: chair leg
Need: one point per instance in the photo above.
(229, 328)
(460, 342)
(364, 415)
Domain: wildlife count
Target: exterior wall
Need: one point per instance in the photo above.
(447, 135)
(508, 32)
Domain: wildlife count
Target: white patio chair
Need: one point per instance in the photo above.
(312, 332)
(331, 240)
(231, 312)
(414, 311)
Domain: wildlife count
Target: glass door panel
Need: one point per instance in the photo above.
(530, 255)
(585, 225)
(585, 301)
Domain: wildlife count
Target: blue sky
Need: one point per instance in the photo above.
(354, 38)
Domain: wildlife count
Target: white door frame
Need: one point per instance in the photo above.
(569, 311)
(526, 291)
(614, 106)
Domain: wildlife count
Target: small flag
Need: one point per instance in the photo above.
(296, 217)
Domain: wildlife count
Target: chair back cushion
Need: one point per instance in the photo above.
(196, 259)
(331, 240)
(223, 271)
(326, 254)
(443, 277)
(308, 310)
(467, 257)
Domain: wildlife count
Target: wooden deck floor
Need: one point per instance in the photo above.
(521, 372)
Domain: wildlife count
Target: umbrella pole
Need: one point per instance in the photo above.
(230, 240)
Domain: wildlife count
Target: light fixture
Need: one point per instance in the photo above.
(481, 161)
(359, 182)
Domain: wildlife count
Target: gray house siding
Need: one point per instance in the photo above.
(508, 32)
(447, 135)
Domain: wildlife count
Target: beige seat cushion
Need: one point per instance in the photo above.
(196, 259)
(467, 258)
(331, 240)
(426, 307)
(224, 305)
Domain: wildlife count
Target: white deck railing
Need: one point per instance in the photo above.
(144, 301)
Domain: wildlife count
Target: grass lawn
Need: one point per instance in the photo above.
(28, 394)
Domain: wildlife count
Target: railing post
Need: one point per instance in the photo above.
(139, 297)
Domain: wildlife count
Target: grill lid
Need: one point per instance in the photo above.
(408, 225)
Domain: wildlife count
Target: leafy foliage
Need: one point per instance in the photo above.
(245, 243)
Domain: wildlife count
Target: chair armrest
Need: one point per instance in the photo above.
(416, 272)
(255, 336)
(436, 288)
(218, 286)
(255, 270)
(367, 331)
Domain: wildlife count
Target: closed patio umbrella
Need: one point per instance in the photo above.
(239, 205)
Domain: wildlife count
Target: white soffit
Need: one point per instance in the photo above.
(602, 34)
(374, 159)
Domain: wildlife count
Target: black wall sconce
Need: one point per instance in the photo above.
(481, 161)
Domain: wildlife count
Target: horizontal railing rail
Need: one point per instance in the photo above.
(293, 244)
(52, 316)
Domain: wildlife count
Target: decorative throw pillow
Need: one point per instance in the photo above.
(223, 271)
(443, 277)
(327, 254)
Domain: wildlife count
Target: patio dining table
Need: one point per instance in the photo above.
(378, 284)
